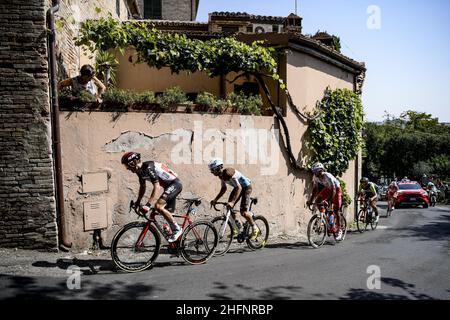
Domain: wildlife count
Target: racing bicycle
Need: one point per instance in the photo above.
(227, 227)
(136, 246)
(323, 224)
(391, 204)
(365, 216)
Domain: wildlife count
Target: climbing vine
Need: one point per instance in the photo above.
(335, 137)
(338, 127)
(162, 49)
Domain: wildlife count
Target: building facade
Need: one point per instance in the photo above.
(28, 211)
(95, 188)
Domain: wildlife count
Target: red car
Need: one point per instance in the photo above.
(411, 193)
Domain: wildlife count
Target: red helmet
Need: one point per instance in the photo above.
(130, 156)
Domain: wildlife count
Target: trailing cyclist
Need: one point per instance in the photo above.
(160, 176)
(392, 193)
(369, 190)
(432, 193)
(331, 191)
(242, 188)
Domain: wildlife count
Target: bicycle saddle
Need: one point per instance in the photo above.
(195, 201)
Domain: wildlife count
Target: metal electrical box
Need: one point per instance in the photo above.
(95, 215)
(95, 182)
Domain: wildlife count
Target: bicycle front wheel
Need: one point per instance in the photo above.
(361, 221)
(135, 247)
(225, 232)
(263, 235)
(198, 242)
(317, 231)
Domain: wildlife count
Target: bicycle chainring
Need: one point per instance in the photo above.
(241, 237)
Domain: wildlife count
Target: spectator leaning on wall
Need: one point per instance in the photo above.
(86, 81)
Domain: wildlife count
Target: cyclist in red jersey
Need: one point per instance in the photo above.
(331, 192)
(392, 193)
(160, 176)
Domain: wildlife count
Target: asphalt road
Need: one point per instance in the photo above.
(407, 257)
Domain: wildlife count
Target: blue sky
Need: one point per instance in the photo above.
(408, 57)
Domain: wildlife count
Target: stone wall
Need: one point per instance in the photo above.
(27, 195)
(67, 23)
(27, 199)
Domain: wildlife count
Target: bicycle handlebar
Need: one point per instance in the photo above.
(133, 207)
(318, 204)
(222, 203)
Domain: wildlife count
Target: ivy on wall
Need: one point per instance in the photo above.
(335, 137)
(161, 49)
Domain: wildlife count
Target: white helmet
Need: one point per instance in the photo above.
(317, 167)
(215, 163)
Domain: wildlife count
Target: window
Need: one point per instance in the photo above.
(248, 88)
(275, 28)
(230, 29)
(152, 9)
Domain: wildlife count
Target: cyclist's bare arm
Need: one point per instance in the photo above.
(64, 83)
(101, 87)
(314, 194)
(237, 192)
(222, 191)
(155, 191)
(142, 189)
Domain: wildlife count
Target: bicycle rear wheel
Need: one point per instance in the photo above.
(263, 235)
(317, 231)
(361, 221)
(134, 248)
(373, 222)
(225, 233)
(198, 242)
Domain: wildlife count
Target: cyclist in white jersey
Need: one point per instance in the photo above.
(242, 188)
(160, 176)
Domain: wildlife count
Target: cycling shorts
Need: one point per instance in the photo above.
(244, 196)
(326, 193)
(391, 193)
(170, 194)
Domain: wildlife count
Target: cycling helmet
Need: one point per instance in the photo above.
(215, 163)
(364, 180)
(129, 157)
(317, 167)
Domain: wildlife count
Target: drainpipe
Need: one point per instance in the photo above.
(56, 143)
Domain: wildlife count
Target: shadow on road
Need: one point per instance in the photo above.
(408, 288)
(438, 230)
(224, 291)
(296, 245)
(94, 266)
(28, 288)
(87, 267)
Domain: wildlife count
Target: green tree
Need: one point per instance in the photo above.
(411, 145)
